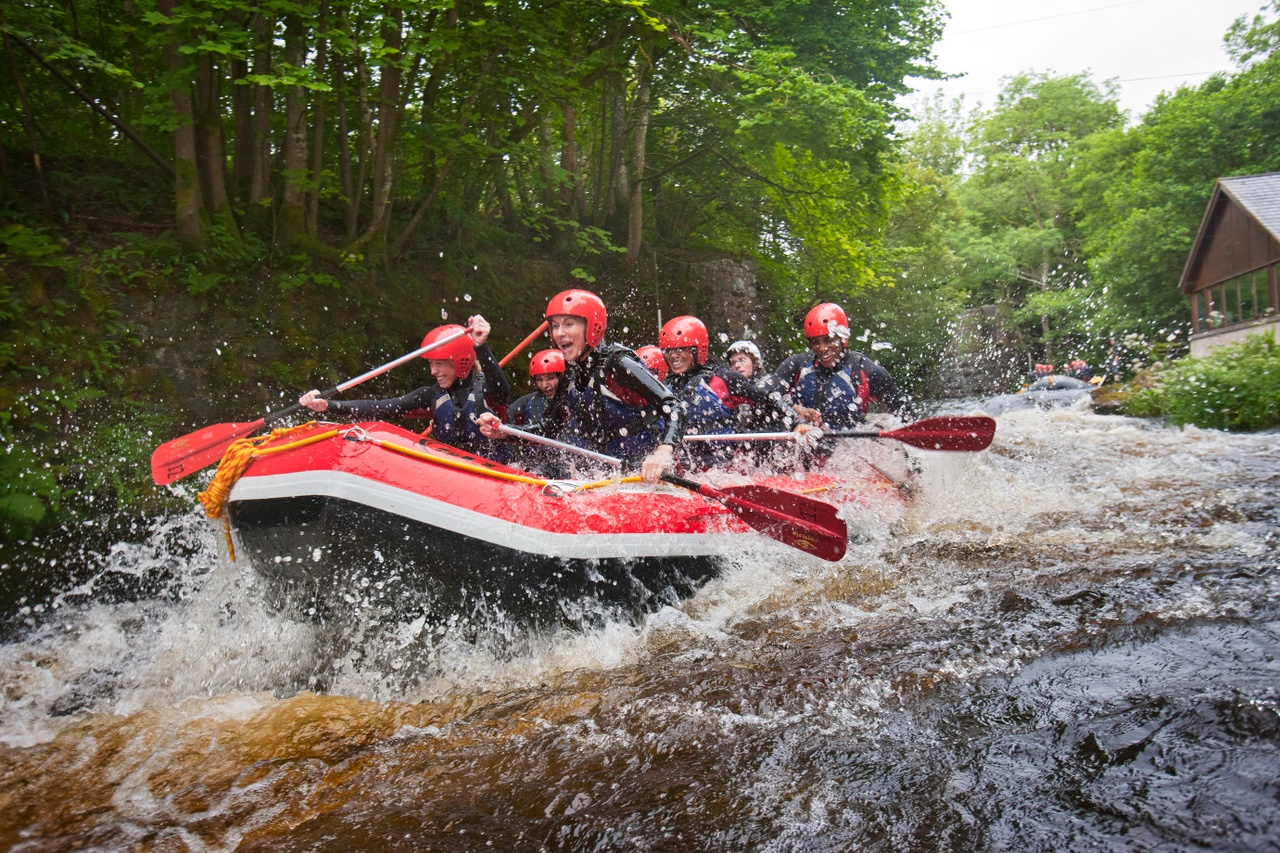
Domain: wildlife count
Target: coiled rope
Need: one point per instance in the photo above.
(237, 458)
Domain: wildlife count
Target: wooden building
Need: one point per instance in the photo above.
(1230, 276)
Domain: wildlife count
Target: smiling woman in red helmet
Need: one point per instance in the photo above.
(832, 386)
(711, 393)
(546, 369)
(608, 400)
(461, 393)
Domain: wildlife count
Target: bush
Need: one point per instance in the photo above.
(1235, 387)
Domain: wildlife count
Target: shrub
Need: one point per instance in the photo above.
(1235, 387)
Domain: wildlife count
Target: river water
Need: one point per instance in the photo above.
(1067, 642)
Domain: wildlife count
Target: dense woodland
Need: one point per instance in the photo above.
(208, 207)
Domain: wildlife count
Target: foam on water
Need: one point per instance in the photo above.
(811, 675)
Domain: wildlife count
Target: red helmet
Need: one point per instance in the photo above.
(547, 361)
(652, 358)
(826, 319)
(461, 351)
(685, 332)
(584, 304)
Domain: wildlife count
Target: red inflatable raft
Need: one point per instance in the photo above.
(327, 510)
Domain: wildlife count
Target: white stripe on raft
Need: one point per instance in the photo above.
(477, 525)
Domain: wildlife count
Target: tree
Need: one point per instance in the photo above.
(1143, 193)
(1021, 241)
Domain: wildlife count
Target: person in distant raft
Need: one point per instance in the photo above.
(712, 394)
(461, 394)
(831, 386)
(609, 401)
(546, 369)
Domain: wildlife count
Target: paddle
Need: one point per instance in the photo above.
(802, 522)
(951, 432)
(187, 454)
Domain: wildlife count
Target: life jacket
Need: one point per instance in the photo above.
(840, 393)
(706, 401)
(610, 417)
(454, 414)
(529, 409)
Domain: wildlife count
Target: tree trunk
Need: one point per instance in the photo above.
(575, 192)
(390, 111)
(292, 221)
(211, 145)
(187, 202)
(242, 124)
(345, 180)
(618, 186)
(29, 124)
(318, 123)
(635, 212)
(260, 146)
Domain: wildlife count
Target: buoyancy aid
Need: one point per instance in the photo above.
(707, 402)
(529, 409)
(840, 393)
(454, 415)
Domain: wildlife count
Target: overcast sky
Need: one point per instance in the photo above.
(1148, 46)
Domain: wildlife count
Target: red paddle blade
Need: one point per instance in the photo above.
(189, 453)
(810, 538)
(802, 507)
(801, 522)
(961, 432)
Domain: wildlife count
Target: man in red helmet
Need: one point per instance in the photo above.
(652, 358)
(712, 394)
(832, 386)
(461, 393)
(609, 401)
(545, 369)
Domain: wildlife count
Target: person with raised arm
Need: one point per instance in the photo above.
(469, 383)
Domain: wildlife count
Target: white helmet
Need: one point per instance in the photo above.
(744, 346)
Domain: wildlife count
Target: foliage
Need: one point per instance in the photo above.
(28, 489)
(1235, 387)
(1143, 192)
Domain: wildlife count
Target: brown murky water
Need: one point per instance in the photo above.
(1068, 642)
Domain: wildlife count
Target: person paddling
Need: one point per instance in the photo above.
(712, 394)
(461, 394)
(546, 369)
(609, 401)
(832, 386)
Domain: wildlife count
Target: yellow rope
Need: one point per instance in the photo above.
(459, 464)
(237, 458)
(598, 484)
(243, 451)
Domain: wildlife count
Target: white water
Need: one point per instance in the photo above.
(1008, 563)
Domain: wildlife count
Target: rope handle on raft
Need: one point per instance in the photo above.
(243, 451)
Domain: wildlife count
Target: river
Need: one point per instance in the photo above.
(1067, 642)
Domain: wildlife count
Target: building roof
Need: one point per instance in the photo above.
(1240, 231)
(1259, 195)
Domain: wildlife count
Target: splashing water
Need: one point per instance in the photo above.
(1068, 641)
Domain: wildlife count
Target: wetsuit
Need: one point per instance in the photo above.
(713, 396)
(842, 392)
(609, 402)
(453, 410)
